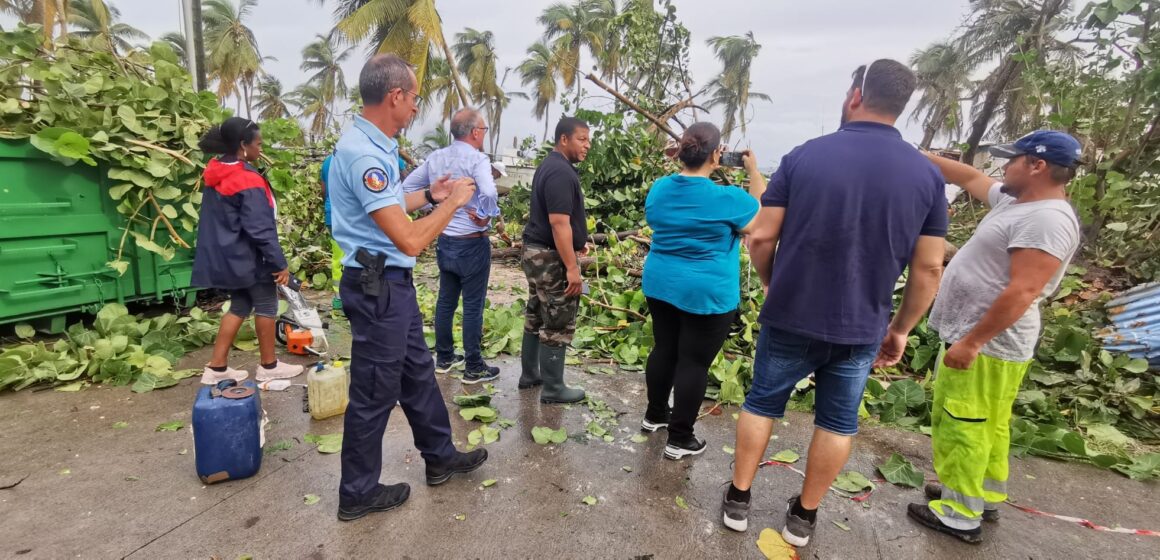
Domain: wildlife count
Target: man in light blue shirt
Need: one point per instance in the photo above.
(390, 361)
(464, 250)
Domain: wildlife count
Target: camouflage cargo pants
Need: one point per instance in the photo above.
(550, 314)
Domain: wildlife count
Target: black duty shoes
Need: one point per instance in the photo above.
(459, 464)
(387, 498)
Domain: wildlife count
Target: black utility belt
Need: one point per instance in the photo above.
(390, 272)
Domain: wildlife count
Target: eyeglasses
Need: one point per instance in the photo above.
(418, 98)
(865, 73)
(483, 128)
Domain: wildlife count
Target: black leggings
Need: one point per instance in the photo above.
(685, 346)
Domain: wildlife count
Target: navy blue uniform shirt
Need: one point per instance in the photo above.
(855, 202)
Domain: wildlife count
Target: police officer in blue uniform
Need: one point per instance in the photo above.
(390, 360)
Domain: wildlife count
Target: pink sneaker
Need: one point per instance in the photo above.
(281, 370)
(211, 377)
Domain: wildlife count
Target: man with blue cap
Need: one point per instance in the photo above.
(987, 312)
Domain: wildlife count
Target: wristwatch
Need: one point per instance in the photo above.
(429, 197)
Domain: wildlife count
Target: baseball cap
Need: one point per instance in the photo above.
(1049, 145)
(500, 168)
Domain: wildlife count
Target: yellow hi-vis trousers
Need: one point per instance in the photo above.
(971, 436)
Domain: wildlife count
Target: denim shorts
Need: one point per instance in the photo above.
(840, 372)
(261, 299)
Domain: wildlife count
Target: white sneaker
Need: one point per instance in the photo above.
(281, 370)
(211, 377)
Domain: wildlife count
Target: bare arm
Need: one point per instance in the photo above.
(756, 185)
(764, 233)
(975, 182)
(411, 237)
(926, 267)
(562, 235)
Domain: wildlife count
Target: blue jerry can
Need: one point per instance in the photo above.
(226, 431)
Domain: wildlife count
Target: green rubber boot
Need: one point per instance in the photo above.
(552, 369)
(530, 362)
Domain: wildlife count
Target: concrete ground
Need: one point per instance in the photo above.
(90, 490)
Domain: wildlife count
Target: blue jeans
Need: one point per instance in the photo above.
(840, 373)
(464, 268)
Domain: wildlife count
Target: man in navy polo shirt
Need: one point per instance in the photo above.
(844, 214)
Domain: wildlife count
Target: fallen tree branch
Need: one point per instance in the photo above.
(175, 155)
(620, 97)
(614, 308)
(172, 232)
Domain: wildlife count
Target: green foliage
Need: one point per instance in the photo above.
(120, 349)
(138, 116)
(898, 470)
(544, 436)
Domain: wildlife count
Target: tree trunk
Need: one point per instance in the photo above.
(928, 136)
(1003, 75)
(462, 91)
(547, 120)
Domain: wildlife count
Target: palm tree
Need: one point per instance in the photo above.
(438, 138)
(1005, 30)
(440, 89)
(411, 29)
(572, 27)
(731, 87)
(270, 102)
(944, 75)
(97, 22)
(538, 71)
(46, 13)
(233, 57)
(496, 105)
(176, 41)
(475, 51)
(312, 106)
(604, 14)
(325, 57)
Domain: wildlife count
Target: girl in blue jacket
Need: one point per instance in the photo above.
(237, 247)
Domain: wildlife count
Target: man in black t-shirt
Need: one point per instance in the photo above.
(554, 239)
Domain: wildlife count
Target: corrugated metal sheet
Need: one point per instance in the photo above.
(1135, 324)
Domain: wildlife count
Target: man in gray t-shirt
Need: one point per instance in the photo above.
(987, 311)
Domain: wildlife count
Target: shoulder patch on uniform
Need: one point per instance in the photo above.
(375, 179)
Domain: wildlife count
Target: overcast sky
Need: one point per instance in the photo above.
(809, 49)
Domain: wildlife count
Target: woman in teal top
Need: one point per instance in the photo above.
(692, 280)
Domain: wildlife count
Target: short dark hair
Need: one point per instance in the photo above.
(568, 126)
(380, 75)
(227, 137)
(888, 86)
(463, 122)
(1059, 173)
(698, 143)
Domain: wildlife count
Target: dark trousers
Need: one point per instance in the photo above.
(464, 268)
(685, 346)
(390, 362)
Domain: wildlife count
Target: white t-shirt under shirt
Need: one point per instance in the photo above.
(981, 270)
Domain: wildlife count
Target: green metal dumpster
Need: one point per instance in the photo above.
(58, 228)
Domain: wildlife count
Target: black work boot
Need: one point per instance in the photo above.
(530, 362)
(922, 514)
(552, 370)
(934, 492)
(460, 463)
(385, 499)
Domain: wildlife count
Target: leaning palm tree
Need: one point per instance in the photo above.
(944, 76)
(1005, 30)
(572, 27)
(411, 29)
(730, 90)
(324, 57)
(538, 71)
(232, 52)
(495, 107)
(97, 22)
(270, 101)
